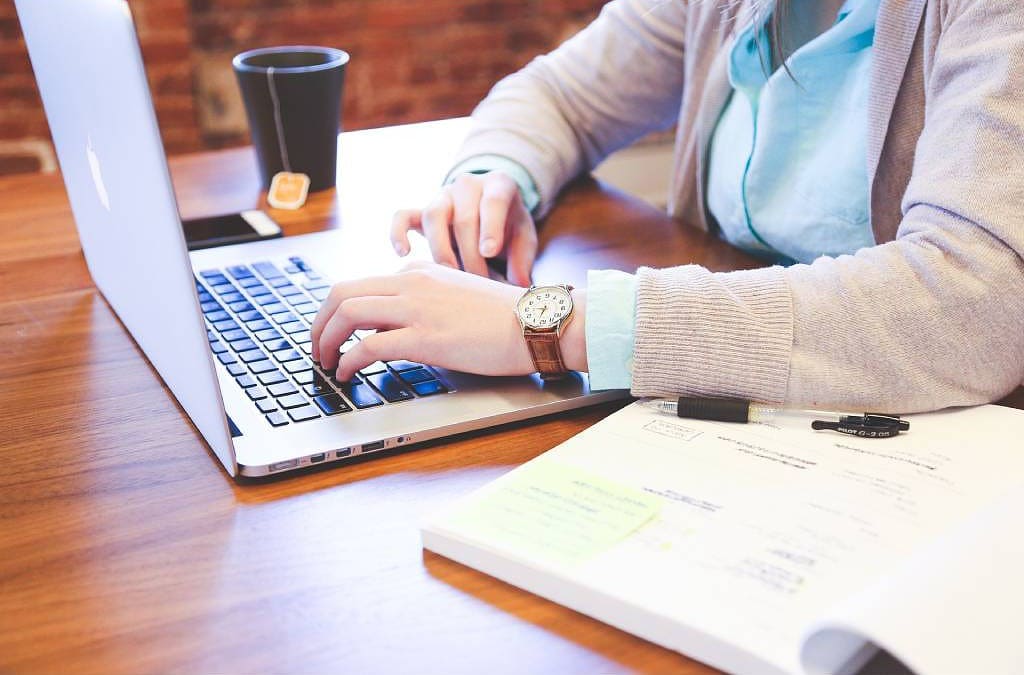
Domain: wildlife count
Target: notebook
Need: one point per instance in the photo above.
(770, 548)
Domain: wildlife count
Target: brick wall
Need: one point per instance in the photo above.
(412, 60)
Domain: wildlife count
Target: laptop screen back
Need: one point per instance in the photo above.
(87, 63)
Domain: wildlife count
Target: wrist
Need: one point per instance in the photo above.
(573, 341)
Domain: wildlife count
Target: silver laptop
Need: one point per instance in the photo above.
(228, 328)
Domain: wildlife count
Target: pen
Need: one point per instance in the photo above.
(868, 425)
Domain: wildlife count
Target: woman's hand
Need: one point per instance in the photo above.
(480, 217)
(434, 315)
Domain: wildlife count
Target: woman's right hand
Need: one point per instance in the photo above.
(479, 217)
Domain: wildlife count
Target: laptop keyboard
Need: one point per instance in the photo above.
(258, 318)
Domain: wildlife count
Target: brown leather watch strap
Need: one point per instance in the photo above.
(546, 353)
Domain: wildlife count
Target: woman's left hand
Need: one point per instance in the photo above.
(430, 314)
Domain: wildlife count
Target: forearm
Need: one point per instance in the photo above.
(618, 79)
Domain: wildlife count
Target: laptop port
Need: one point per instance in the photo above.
(370, 447)
(316, 458)
(344, 453)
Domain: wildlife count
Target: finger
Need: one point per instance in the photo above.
(388, 346)
(369, 286)
(435, 222)
(400, 225)
(382, 312)
(522, 246)
(466, 224)
(495, 204)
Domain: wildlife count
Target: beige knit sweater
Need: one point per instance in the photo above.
(930, 317)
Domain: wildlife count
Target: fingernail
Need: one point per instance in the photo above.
(488, 247)
(400, 249)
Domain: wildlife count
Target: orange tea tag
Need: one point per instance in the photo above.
(288, 190)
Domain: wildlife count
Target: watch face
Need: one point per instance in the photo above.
(544, 307)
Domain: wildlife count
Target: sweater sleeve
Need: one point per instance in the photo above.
(618, 79)
(930, 320)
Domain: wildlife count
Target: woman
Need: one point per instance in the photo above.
(885, 136)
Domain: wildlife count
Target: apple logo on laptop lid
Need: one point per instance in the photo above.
(97, 176)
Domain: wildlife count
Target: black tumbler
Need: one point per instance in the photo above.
(292, 96)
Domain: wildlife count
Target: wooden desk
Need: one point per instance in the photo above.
(125, 548)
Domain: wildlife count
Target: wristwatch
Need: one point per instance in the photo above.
(543, 312)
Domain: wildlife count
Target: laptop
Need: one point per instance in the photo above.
(228, 328)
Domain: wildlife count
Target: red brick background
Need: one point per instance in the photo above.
(412, 60)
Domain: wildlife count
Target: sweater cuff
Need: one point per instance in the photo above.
(611, 308)
(486, 163)
(700, 333)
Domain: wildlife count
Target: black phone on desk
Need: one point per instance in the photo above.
(230, 228)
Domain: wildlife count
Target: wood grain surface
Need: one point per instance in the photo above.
(124, 548)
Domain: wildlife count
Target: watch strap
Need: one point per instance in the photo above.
(546, 353)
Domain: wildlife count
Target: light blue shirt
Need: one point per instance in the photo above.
(787, 172)
(787, 178)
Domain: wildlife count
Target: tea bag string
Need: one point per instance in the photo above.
(277, 119)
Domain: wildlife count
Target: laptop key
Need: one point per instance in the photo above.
(304, 413)
(265, 299)
(401, 366)
(294, 327)
(417, 375)
(239, 271)
(277, 419)
(305, 376)
(267, 334)
(236, 369)
(220, 289)
(259, 324)
(251, 315)
(227, 358)
(246, 345)
(210, 274)
(277, 345)
(331, 404)
(313, 285)
(210, 335)
(320, 293)
(279, 282)
(281, 318)
(307, 348)
(239, 307)
(245, 381)
(301, 336)
(272, 377)
(390, 387)
(305, 308)
(374, 368)
(292, 269)
(215, 317)
(232, 297)
(218, 347)
(267, 405)
(361, 396)
(282, 389)
(429, 388)
(249, 282)
(236, 334)
(291, 401)
(296, 366)
(284, 356)
(210, 306)
(252, 355)
(266, 270)
(274, 308)
(256, 393)
(260, 367)
(290, 290)
(227, 324)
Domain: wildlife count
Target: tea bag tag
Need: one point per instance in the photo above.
(288, 190)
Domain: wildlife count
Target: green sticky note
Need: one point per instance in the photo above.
(556, 513)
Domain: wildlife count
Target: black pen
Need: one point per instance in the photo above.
(868, 425)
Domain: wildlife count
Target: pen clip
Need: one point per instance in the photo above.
(868, 425)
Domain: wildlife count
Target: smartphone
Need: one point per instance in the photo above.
(231, 228)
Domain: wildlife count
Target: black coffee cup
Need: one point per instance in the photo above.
(292, 97)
